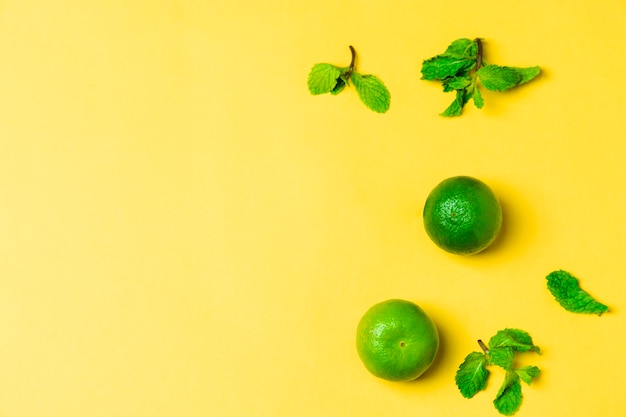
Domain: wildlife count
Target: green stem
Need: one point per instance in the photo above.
(479, 54)
(483, 347)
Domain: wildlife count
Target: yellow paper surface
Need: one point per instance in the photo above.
(186, 231)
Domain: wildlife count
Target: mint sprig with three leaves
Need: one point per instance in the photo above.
(462, 69)
(472, 375)
(327, 78)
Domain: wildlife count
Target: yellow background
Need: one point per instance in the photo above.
(186, 231)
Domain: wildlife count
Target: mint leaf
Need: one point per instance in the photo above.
(478, 99)
(462, 48)
(456, 107)
(509, 396)
(497, 78)
(456, 83)
(453, 110)
(566, 290)
(338, 88)
(527, 74)
(444, 66)
(502, 357)
(471, 377)
(516, 339)
(323, 78)
(372, 92)
(528, 373)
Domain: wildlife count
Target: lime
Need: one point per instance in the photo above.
(396, 340)
(462, 215)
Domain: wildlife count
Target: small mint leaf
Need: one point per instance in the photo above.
(341, 84)
(497, 78)
(453, 110)
(456, 83)
(509, 398)
(566, 290)
(462, 48)
(442, 66)
(471, 377)
(456, 108)
(479, 102)
(323, 78)
(527, 74)
(502, 357)
(528, 373)
(516, 339)
(372, 92)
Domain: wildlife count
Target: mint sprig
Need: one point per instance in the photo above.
(566, 290)
(327, 78)
(472, 375)
(462, 69)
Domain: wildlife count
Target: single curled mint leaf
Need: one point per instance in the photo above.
(528, 373)
(462, 48)
(502, 357)
(518, 340)
(566, 290)
(443, 66)
(509, 398)
(372, 92)
(323, 78)
(497, 78)
(471, 377)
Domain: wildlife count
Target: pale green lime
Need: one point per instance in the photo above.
(396, 340)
